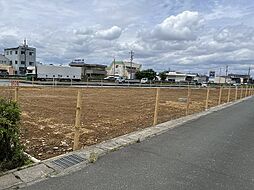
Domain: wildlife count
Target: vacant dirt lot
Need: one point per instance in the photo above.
(48, 114)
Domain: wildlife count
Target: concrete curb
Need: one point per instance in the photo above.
(47, 168)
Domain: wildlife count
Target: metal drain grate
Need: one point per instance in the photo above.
(68, 161)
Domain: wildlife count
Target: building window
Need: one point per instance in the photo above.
(30, 53)
(46, 75)
(7, 52)
(31, 63)
(53, 76)
(16, 52)
(10, 52)
(11, 62)
(67, 76)
(22, 52)
(16, 62)
(23, 62)
(73, 76)
(116, 66)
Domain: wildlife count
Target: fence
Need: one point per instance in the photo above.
(54, 122)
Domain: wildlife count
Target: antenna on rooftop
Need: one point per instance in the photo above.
(25, 42)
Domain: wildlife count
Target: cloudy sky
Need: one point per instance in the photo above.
(183, 35)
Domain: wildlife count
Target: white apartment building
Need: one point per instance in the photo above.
(21, 57)
(4, 60)
(123, 69)
(5, 67)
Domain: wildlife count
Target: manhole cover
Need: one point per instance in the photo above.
(68, 161)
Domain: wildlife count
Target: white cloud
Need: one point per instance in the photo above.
(109, 34)
(180, 27)
(229, 11)
(62, 31)
(96, 32)
(85, 32)
(236, 33)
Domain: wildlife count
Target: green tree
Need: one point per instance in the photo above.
(149, 73)
(163, 75)
(139, 75)
(11, 151)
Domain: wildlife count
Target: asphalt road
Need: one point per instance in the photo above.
(213, 152)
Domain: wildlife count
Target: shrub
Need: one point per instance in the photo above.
(11, 151)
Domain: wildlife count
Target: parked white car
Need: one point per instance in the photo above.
(236, 84)
(110, 78)
(144, 80)
(119, 79)
(115, 79)
(204, 85)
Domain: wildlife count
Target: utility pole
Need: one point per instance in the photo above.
(219, 75)
(25, 45)
(226, 74)
(249, 75)
(114, 66)
(132, 55)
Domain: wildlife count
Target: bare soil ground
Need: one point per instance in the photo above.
(48, 114)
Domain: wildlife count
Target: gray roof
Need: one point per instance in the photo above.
(82, 64)
(15, 48)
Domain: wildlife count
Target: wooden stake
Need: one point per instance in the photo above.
(236, 89)
(155, 118)
(77, 122)
(188, 100)
(16, 95)
(207, 98)
(246, 90)
(220, 93)
(229, 93)
(241, 95)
